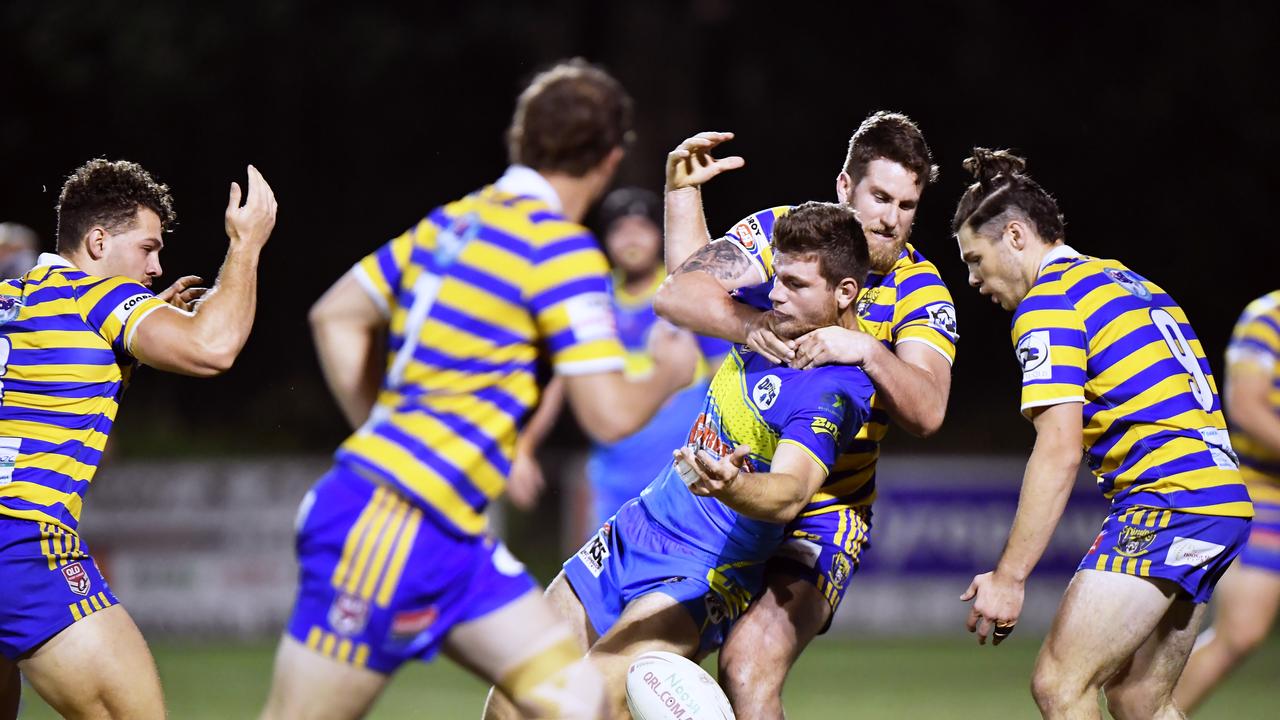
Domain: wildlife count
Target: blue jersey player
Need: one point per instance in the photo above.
(906, 346)
(1109, 364)
(672, 569)
(72, 331)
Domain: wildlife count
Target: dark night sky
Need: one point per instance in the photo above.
(1155, 125)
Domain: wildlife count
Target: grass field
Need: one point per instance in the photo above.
(876, 678)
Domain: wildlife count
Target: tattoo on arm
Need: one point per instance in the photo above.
(719, 258)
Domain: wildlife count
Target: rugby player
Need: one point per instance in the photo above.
(904, 341)
(72, 331)
(1246, 601)
(632, 223)
(396, 561)
(672, 569)
(1111, 364)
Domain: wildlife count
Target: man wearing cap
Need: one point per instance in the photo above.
(631, 221)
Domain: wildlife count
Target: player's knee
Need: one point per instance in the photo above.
(1242, 639)
(1053, 688)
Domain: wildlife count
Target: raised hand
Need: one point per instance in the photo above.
(251, 223)
(691, 163)
(182, 294)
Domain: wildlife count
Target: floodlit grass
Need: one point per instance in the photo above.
(875, 678)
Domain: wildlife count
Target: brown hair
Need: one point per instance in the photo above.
(831, 232)
(108, 194)
(895, 137)
(569, 118)
(1003, 190)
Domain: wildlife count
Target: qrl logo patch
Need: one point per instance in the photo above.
(1033, 356)
(348, 614)
(595, 552)
(77, 579)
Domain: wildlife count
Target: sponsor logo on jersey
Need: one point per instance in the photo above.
(77, 579)
(1192, 552)
(942, 316)
(841, 569)
(744, 237)
(596, 551)
(766, 391)
(411, 623)
(1134, 541)
(124, 309)
(821, 425)
(348, 614)
(9, 449)
(1130, 282)
(591, 316)
(9, 309)
(1033, 356)
(803, 549)
(705, 435)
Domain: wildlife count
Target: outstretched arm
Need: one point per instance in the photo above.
(206, 341)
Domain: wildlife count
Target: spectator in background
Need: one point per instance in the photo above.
(18, 248)
(631, 224)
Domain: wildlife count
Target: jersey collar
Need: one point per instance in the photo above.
(524, 180)
(54, 260)
(1056, 254)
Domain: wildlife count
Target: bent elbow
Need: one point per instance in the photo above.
(665, 303)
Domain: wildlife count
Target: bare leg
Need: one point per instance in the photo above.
(307, 685)
(1245, 605)
(1103, 620)
(566, 605)
(650, 622)
(766, 641)
(69, 671)
(1144, 688)
(533, 656)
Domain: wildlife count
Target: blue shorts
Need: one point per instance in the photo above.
(1263, 549)
(380, 582)
(632, 555)
(47, 582)
(825, 551)
(1189, 549)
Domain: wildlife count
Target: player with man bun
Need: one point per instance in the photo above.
(1109, 364)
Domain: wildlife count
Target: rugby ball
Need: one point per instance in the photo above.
(666, 686)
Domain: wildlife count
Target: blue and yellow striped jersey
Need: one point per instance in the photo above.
(471, 294)
(1255, 348)
(1095, 332)
(65, 359)
(910, 303)
(753, 402)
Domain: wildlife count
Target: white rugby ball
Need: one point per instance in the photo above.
(666, 686)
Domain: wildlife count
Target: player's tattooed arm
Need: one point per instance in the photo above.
(723, 261)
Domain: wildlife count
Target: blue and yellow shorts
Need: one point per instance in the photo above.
(631, 555)
(382, 582)
(1263, 549)
(1189, 549)
(825, 550)
(47, 582)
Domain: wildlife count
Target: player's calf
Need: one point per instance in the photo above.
(557, 683)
